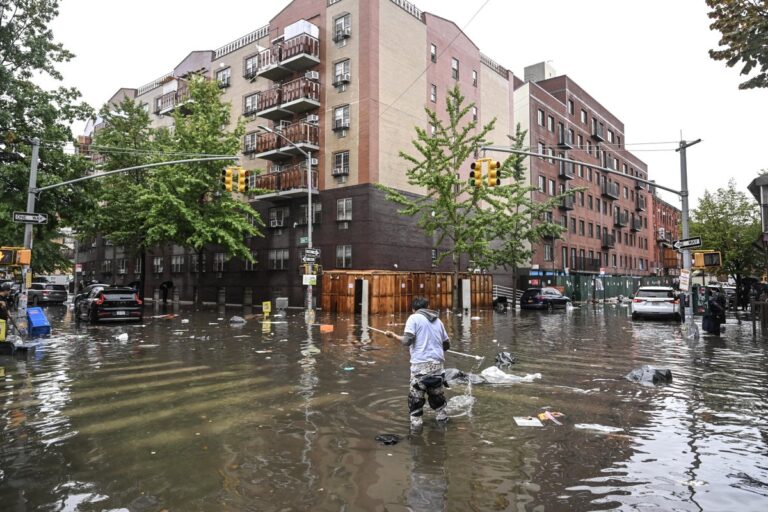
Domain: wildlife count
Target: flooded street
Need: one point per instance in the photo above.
(193, 414)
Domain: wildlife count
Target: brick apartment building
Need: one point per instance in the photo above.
(347, 81)
(666, 226)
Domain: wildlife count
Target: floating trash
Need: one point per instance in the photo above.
(122, 337)
(527, 421)
(598, 428)
(493, 375)
(388, 439)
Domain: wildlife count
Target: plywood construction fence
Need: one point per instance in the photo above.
(392, 292)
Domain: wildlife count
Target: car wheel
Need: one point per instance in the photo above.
(550, 306)
(634, 316)
(93, 318)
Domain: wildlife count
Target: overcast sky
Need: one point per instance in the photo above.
(645, 60)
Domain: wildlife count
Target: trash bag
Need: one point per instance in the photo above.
(649, 375)
(456, 376)
(237, 320)
(505, 360)
(493, 375)
(388, 439)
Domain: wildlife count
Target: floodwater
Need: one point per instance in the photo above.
(193, 414)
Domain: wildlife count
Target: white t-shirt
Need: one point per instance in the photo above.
(429, 338)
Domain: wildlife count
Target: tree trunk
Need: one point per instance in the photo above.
(455, 292)
(514, 287)
(143, 278)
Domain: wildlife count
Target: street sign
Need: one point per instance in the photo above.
(685, 279)
(308, 259)
(687, 243)
(312, 252)
(303, 239)
(30, 218)
(309, 280)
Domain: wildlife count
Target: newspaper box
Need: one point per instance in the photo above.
(37, 322)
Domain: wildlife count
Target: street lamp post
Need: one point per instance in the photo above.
(308, 156)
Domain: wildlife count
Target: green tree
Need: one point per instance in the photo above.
(184, 203)
(728, 221)
(514, 220)
(27, 111)
(447, 208)
(743, 25)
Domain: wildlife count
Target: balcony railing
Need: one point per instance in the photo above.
(294, 97)
(292, 178)
(566, 170)
(170, 100)
(621, 220)
(640, 203)
(598, 133)
(637, 224)
(273, 147)
(609, 241)
(610, 189)
(565, 139)
(586, 264)
(567, 203)
(284, 58)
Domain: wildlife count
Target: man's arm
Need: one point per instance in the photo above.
(406, 339)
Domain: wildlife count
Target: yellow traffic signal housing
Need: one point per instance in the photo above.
(476, 174)
(226, 178)
(7, 256)
(24, 256)
(494, 174)
(242, 180)
(707, 259)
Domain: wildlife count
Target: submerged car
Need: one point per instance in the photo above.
(110, 304)
(655, 302)
(543, 298)
(45, 293)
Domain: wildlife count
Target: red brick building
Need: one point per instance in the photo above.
(666, 226)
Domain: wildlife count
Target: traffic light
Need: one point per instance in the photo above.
(23, 256)
(226, 178)
(494, 173)
(7, 257)
(476, 174)
(242, 180)
(707, 259)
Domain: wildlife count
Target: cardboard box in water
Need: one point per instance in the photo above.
(38, 322)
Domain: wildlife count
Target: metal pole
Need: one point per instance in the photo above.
(684, 196)
(21, 311)
(309, 220)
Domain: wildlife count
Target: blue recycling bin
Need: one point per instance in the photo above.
(37, 322)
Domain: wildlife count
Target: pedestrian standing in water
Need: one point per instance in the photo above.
(425, 335)
(714, 313)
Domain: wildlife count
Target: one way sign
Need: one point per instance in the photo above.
(30, 218)
(687, 243)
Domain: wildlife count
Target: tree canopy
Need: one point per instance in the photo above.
(27, 111)
(743, 25)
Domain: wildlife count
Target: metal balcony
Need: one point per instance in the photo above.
(598, 133)
(609, 241)
(565, 139)
(586, 264)
(270, 146)
(291, 98)
(290, 182)
(285, 58)
(170, 101)
(621, 220)
(637, 224)
(610, 190)
(567, 203)
(640, 203)
(566, 170)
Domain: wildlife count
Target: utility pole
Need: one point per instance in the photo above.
(21, 311)
(684, 196)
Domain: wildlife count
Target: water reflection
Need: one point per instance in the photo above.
(192, 412)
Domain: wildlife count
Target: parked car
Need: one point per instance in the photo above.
(655, 302)
(110, 304)
(45, 293)
(83, 293)
(543, 298)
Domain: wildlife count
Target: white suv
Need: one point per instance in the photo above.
(655, 302)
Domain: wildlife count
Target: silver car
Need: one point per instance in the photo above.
(45, 293)
(655, 302)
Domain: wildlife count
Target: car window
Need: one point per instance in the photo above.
(95, 292)
(38, 286)
(551, 291)
(655, 294)
(57, 287)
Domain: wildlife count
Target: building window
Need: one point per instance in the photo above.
(177, 264)
(570, 107)
(341, 163)
(591, 230)
(542, 149)
(474, 78)
(250, 66)
(610, 136)
(223, 76)
(317, 213)
(433, 93)
(433, 53)
(551, 187)
(251, 265)
(589, 202)
(218, 261)
(341, 117)
(344, 209)
(106, 266)
(342, 29)
(581, 227)
(583, 116)
(474, 114)
(547, 252)
(540, 117)
(138, 265)
(581, 142)
(250, 104)
(551, 124)
(454, 68)
(341, 72)
(343, 256)
(542, 184)
(197, 262)
(157, 265)
(573, 225)
(278, 216)
(278, 259)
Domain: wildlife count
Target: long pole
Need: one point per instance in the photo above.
(684, 196)
(21, 312)
(309, 221)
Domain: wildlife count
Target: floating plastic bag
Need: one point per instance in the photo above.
(493, 375)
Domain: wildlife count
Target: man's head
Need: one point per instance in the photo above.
(5, 288)
(419, 303)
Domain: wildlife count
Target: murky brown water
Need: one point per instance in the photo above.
(206, 416)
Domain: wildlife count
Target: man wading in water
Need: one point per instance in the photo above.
(425, 335)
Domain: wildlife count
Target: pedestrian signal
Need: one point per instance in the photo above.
(226, 178)
(23, 256)
(7, 257)
(494, 173)
(707, 259)
(242, 180)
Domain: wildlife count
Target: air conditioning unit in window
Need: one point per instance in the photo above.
(340, 171)
(340, 124)
(313, 118)
(341, 79)
(275, 223)
(312, 75)
(342, 33)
